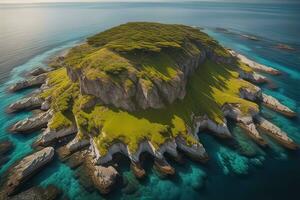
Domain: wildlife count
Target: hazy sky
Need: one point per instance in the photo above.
(47, 1)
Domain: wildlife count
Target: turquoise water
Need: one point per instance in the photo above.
(30, 34)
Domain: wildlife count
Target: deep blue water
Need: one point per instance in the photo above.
(29, 34)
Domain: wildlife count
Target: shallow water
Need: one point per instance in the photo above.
(30, 34)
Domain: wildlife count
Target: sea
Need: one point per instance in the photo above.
(30, 34)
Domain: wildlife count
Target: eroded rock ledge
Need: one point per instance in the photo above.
(31, 82)
(26, 168)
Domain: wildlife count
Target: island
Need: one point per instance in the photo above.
(142, 87)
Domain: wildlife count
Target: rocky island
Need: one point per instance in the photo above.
(143, 88)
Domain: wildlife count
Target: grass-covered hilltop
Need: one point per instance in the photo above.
(144, 81)
(147, 87)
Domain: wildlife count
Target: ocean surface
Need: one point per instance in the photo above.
(31, 34)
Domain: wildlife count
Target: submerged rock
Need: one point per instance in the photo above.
(25, 104)
(285, 47)
(34, 81)
(26, 168)
(5, 147)
(38, 193)
(163, 167)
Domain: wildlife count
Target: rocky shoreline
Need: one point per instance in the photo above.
(103, 174)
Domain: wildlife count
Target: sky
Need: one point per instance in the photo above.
(49, 1)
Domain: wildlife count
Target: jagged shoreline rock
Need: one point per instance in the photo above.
(256, 66)
(49, 136)
(32, 123)
(27, 83)
(25, 104)
(274, 104)
(276, 133)
(26, 168)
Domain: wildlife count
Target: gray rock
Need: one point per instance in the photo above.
(31, 82)
(274, 104)
(25, 104)
(49, 136)
(32, 123)
(26, 168)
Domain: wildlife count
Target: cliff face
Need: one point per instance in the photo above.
(135, 91)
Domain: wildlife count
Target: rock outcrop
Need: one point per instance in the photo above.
(32, 123)
(27, 167)
(195, 151)
(38, 71)
(254, 65)
(25, 104)
(276, 133)
(221, 130)
(253, 77)
(31, 82)
(274, 104)
(49, 136)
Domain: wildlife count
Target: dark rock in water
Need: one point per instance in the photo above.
(38, 193)
(285, 47)
(3, 160)
(5, 147)
(272, 86)
(250, 37)
(222, 30)
(131, 187)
